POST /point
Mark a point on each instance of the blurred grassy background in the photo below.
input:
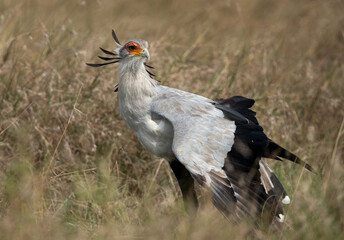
(71, 169)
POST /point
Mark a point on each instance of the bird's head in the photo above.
(136, 49)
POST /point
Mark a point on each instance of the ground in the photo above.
(71, 169)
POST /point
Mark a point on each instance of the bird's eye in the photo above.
(132, 47)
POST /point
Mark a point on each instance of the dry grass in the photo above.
(71, 169)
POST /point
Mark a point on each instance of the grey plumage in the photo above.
(217, 143)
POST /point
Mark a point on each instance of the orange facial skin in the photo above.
(134, 49)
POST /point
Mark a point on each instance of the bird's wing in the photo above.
(221, 147)
(202, 136)
(202, 139)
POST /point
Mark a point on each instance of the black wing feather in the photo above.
(243, 160)
(237, 109)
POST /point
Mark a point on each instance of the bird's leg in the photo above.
(186, 184)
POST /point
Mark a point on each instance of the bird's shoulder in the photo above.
(178, 103)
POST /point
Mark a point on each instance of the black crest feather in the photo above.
(108, 52)
(116, 58)
(115, 37)
(100, 64)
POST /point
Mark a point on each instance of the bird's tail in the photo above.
(273, 190)
(274, 151)
(257, 194)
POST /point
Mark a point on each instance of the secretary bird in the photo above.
(217, 143)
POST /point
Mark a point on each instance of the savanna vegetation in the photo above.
(71, 169)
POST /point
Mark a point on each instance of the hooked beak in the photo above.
(145, 53)
(140, 52)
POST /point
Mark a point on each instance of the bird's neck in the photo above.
(136, 90)
(135, 82)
